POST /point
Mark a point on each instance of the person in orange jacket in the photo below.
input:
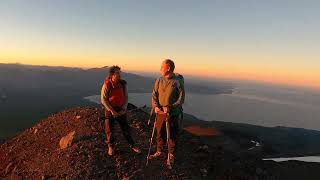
(114, 98)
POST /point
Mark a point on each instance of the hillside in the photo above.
(35, 153)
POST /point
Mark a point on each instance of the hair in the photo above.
(113, 69)
(170, 63)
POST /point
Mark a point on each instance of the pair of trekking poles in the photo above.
(153, 130)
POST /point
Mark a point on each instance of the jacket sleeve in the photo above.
(181, 96)
(155, 95)
(105, 97)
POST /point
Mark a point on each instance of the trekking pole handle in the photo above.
(151, 113)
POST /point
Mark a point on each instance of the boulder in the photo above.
(68, 140)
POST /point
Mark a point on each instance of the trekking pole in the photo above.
(168, 137)
(151, 113)
(154, 127)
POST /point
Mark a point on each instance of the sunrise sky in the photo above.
(271, 41)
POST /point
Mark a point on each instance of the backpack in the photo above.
(180, 78)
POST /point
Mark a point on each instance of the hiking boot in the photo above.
(110, 150)
(155, 155)
(170, 160)
(136, 149)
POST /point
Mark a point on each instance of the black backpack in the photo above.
(180, 78)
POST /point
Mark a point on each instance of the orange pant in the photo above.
(161, 132)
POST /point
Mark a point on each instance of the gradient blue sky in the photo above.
(272, 41)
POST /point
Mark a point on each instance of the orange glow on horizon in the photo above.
(266, 75)
(306, 79)
(269, 74)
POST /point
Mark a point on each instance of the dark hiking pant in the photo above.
(162, 133)
(109, 128)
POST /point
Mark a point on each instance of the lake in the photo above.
(252, 104)
(305, 159)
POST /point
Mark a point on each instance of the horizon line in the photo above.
(154, 74)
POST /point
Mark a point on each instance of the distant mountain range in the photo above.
(88, 81)
(29, 93)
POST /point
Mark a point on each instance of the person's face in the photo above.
(164, 70)
(116, 76)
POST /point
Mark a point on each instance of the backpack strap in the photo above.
(108, 84)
